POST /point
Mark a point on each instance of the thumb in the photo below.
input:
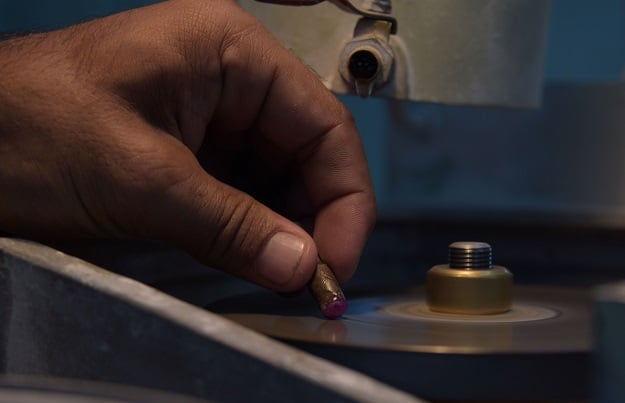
(228, 230)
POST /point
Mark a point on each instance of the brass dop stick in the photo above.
(327, 292)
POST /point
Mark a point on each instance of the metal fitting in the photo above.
(367, 59)
(469, 283)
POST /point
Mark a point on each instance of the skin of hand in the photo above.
(184, 122)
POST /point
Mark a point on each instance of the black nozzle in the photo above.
(363, 65)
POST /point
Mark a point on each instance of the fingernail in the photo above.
(281, 256)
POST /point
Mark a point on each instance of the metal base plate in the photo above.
(538, 350)
(542, 320)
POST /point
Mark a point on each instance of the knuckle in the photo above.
(235, 239)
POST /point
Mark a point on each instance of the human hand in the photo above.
(188, 123)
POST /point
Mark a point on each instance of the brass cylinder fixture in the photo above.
(469, 283)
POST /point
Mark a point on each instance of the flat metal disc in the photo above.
(542, 320)
(540, 350)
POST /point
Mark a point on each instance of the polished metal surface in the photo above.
(544, 341)
(542, 320)
(471, 292)
(477, 52)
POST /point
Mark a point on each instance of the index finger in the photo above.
(302, 117)
(266, 87)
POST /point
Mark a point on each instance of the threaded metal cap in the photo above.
(470, 255)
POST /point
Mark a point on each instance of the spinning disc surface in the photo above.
(542, 320)
(539, 350)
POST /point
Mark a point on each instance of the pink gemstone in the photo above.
(335, 309)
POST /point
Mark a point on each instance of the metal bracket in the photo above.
(372, 9)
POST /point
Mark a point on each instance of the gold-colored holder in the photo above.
(469, 284)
